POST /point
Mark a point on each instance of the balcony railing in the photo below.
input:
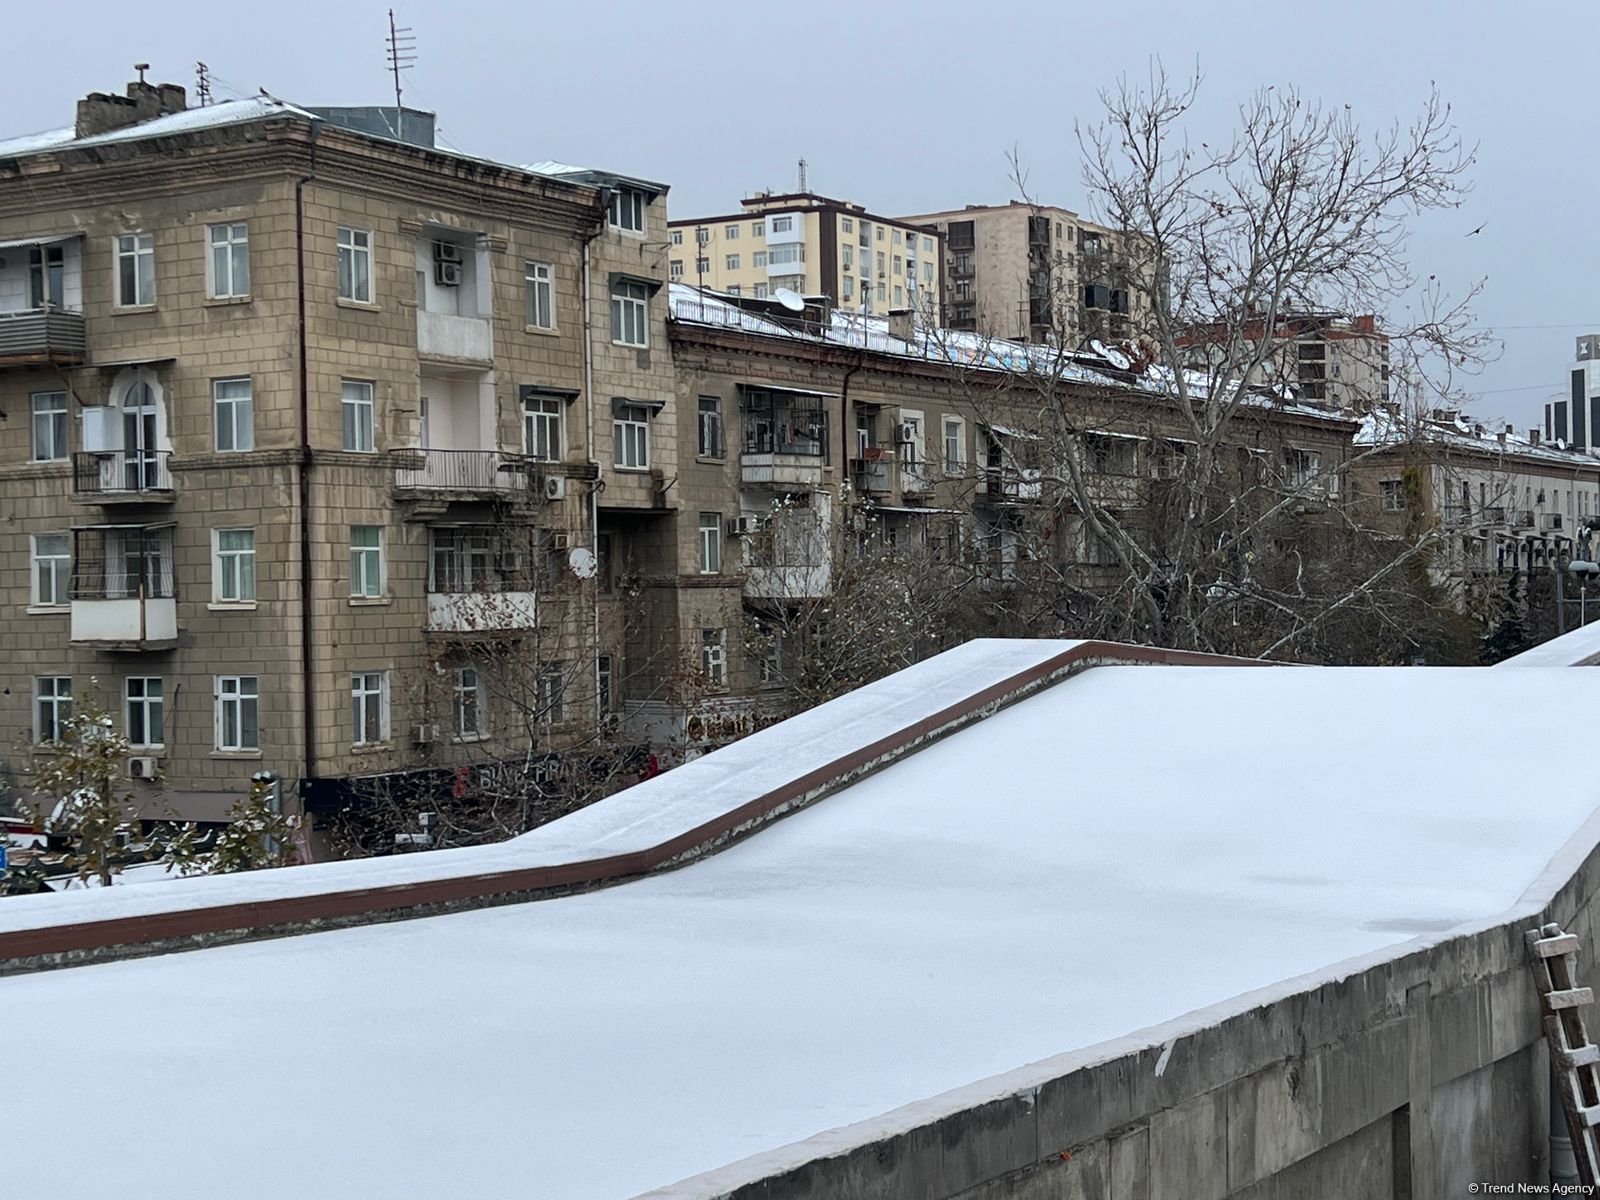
(1457, 514)
(460, 470)
(1016, 484)
(122, 474)
(42, 335)
(1520, 518)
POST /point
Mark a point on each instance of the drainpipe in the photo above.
(307, 679)
(588, 410)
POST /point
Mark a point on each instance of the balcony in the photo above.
(1457, 514)
(454, 338)
(123, 594)
(1012, 485)
(466, 472)
(872, 476)
(122, 477)
(785, 439)
(481, 612)
(42, 336)
(1550, 520)
(1520, 518)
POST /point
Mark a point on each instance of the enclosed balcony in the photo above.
(122, 476)
(41, 302)
(785, 437)
(123, 594)
(453, 297)
(480, 581)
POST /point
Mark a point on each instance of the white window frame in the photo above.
(758, 229)
(730, 262)
(228, 261)
(52, 694)
(152, 708)
(550, 693)
(630, 314)
(237, 561)
(955, 428)
(710, 543)
(1392, 495)
(59, 571)
(58, 427)
(548, 412)
(359, 413)
(630, 438)
(731, 232)
(539, 285)
(710, 434)
(714, 656)
(139, 249)
(236, 693)
(605, 696)
(239, 418)
(366, 564)
(466, 688)
(758, 259)
(369, 690)
(677, 237)
(627, 211)
(783, 224)
(353, 246)
(675, 269)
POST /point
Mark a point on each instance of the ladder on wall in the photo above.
(1574, 1059)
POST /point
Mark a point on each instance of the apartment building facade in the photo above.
(813, 246)
(1036, 273)
(316, 436)
(1573, 417)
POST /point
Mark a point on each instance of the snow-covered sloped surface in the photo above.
(1580, 648)
(640, 817)
(961, 914)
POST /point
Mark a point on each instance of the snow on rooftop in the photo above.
(960, 914)
(226, 112)
(1382, 428)
(1580, 648)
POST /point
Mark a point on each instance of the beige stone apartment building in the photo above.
(1031, 272)
(323, 449)
(813, 246)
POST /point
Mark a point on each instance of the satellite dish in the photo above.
(1115, 357)
(793, 301)
(582, 562)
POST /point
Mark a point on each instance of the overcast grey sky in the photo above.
(910, 107)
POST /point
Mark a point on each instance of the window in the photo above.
(630, 313)
(730, 262)
(702, 265)
(52, 707)
(897, 237)
(49, 426)
(356, 402)
(234, 408)
(369, 707)
(355, 265)
(47, 275)
(849, 257)
(734, 289)
(1393, 494)
(467, 709)
(52, 569)
(881, 261)
(731, 232)
(238, 713)
(758, 229)
(366, 560)
(143, 703)
(541, 427)
(927, 272)
(540, 281)
(136, 270)
(627, 210)
(849, 287)
(759, 258)
(927, 245)
(677, 237)
(952, 445)
(228, 268)
(883, 292)
(899, 296)
(795, 252)
(630, 432)
(714, 656)
(675, 268)
(1301, 467)
(711, 427)
(702, 237)
(879, 232)
(760, 291)
(846, 225)
(782, 224)
(602, 682)
(1108, 455)
(234, 574)
(550, 694)
(710, 543)
(899, 265)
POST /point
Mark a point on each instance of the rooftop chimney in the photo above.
(901, 325)
(101, 112)
(1533, 437)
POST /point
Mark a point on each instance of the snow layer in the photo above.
(641, 817)
(1580, 648)
(228, 112)
(960, 914)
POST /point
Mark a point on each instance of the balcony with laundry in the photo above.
(785, 432)
(41, 301)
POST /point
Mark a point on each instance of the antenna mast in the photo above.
(202, 83)
(803, 187)
(402, 54)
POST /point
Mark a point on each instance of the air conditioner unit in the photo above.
(559, 539)
(446, 252)
(905, 433)
(141, 768)
(424, 735)
(447, 274)
(555, 487)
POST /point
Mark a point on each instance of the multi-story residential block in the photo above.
(1573, 417)
(316, 436)
(1324, 357)
(813, 246)
(1030, 272)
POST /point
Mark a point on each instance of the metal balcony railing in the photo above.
(121, 472)
(458, 470)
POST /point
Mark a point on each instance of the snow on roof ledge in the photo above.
(1580, 648)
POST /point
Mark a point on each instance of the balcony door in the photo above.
(139, 458)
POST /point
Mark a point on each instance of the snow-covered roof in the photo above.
(1095, 365)
(192, 120)
(1384, 427)
(592, 176)
(953, 918)
(1580, 648)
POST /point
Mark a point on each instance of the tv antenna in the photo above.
(803, 175)
(402, 54)
(202, 83)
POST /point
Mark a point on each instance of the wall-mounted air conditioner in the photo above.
(555, 487)
(142, 768)
(447, 274)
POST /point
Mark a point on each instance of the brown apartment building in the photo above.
(322, 446)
